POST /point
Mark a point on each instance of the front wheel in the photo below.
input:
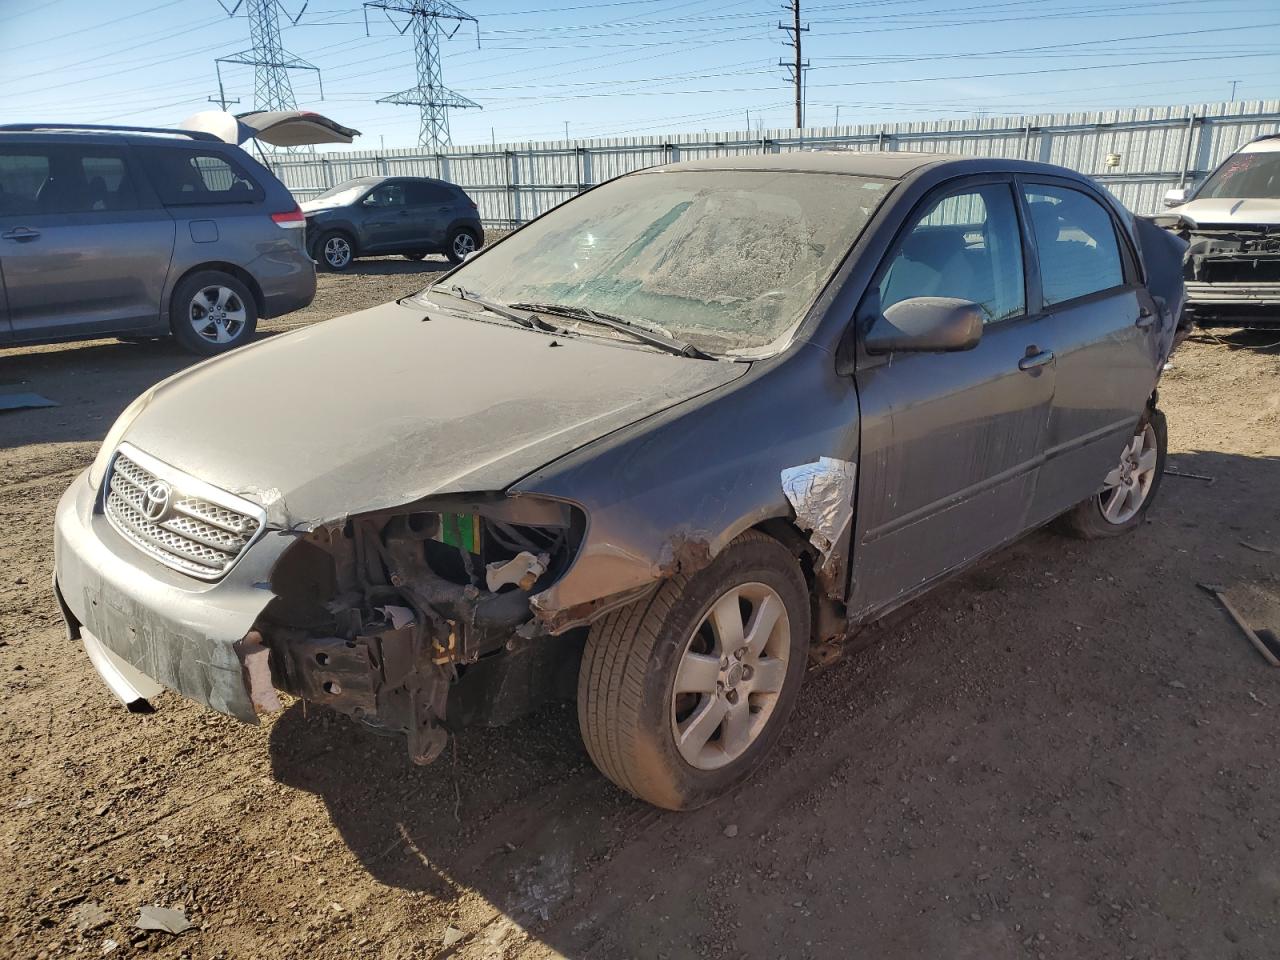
(334, 251)
(1129, 488)
(461, 242)
(212, 312)
(681, 695)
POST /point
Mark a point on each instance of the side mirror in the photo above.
(926, 325)
(1174, 198)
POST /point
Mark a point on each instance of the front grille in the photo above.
(180, 521)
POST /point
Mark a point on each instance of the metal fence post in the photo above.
(1186, 153)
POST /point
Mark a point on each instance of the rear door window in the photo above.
(184, 177)
(1076, 239)
(66, 179)
(965, 245)
(428, 194)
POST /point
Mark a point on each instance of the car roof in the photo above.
(890, 164)
(1267, 144)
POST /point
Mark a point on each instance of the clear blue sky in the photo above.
(648, 66)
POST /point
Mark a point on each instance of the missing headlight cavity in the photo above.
(380, 616)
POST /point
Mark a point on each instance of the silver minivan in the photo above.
(133, 232)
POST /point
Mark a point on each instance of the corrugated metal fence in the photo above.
(1138, 153)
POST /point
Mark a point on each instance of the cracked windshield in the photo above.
(727, 261)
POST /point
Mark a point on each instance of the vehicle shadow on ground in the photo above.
(1259, 341)
(393, 266)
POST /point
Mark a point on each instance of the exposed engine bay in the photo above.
(402, 619)
(1231, 271)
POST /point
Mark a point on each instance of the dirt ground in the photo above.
(1069, 752)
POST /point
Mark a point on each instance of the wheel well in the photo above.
(241, 274)
(351, 239)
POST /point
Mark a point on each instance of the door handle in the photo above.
(1033, 361)
(21, 234)
(1146, 318)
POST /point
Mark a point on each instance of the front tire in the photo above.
(212, 312)
(682, 694)
(1129, 488)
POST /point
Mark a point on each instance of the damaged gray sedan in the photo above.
(644, 452)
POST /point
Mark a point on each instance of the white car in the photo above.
(1232, 222)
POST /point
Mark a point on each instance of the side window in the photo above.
(1076, 238)
(966, 245)
(23, 172)
(428, 194)
(65, 179)
(185, 177)
(387, 195)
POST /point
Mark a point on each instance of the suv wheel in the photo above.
(212, 312)
(334, 251)
(461, 242)
(681, 695)
(1129, 489)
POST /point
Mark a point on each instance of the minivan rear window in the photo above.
(185, 177)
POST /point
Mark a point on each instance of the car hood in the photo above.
(383, 407)
(316, 206)
(1231, 211)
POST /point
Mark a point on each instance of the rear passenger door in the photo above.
(1104, 338)
(431, 208)
(84, 244)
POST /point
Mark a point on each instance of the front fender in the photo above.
(668, 493)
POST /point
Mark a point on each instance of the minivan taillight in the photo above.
(291, 220)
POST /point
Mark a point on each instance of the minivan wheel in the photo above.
(334, 251)
(461, 242)
(681, 695)
(212, 312)
(1129, 488)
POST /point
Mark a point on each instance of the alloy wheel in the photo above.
(1126, 487)
(730, 676)
(463, 244)
(337, 252)
(217, 314)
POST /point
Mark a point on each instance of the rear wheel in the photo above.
(413, 256)
(334, 251)
(1130, 487)
(212, 312)
(461, 242)
(681, 695)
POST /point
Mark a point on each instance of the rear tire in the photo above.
(212, 312)
(1129, 489)
(334, 251)
(413, 256)
(735, 634)
(462, 241)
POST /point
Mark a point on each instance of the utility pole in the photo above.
(221, 99)
(1233, 90)
(566, 131)
(432, 98)
(271, 64)
(798, 65)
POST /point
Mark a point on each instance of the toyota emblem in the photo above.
(155, 500)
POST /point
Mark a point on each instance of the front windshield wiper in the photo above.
(640, 332)
(493, 306)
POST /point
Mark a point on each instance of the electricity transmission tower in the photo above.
(271, 63)
(798, 64)
(432, 98)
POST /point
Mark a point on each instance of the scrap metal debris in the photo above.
(1170, 472)
(822, 495)
(24, 401)
(152, 917)
(1258, 642)
(397, 616)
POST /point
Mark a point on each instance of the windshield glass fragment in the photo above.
(726, 260)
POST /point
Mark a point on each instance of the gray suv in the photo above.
(113, 231)
(412, 216)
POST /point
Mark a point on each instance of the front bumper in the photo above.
(145, 626)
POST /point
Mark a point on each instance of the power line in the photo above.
(272, 88)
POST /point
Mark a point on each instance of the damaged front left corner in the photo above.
(821, 493)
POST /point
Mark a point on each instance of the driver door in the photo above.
(384, 216)
(951, 442)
